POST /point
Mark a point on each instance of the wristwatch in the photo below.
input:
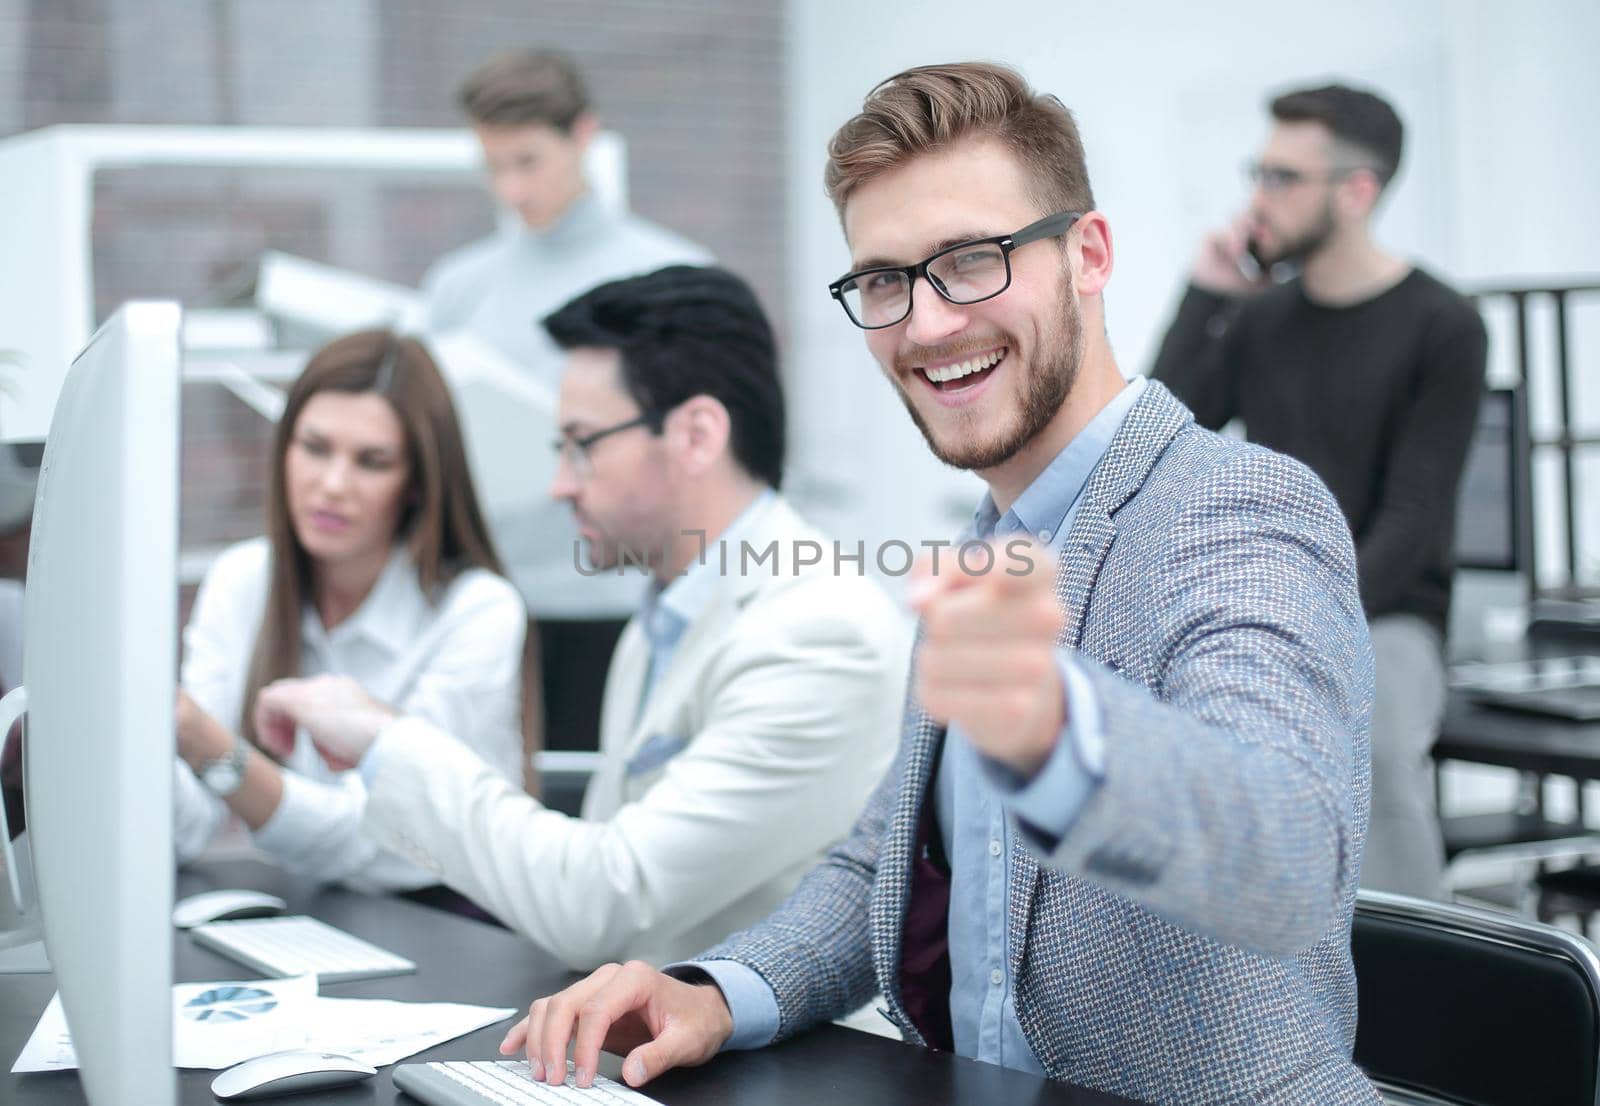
(225, 774)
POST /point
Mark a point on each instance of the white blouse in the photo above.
(456, 663)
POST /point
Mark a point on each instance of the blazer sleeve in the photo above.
(793, 729)
(1234, 800)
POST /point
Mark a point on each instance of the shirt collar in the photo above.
(387, 617)
(669, 611)
(1044, 504)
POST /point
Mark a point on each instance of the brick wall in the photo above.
(694, 85)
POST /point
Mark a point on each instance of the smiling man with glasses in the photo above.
(1370, 371)
(1119, 846)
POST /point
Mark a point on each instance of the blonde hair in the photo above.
(931, 107)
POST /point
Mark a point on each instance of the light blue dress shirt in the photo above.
(973, 795)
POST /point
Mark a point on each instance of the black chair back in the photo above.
(1464, 1006)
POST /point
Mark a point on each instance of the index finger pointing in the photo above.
(957, 568)
(1019, 565)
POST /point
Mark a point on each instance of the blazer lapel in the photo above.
(891, 889)
(701, 637)
(688, 660)
(624, 684)
(1144, 435)
(619, 704)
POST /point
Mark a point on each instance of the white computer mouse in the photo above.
(215, 906)
(299, 1069)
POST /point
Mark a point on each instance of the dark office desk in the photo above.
(1528, 742)
(1542, 745)
(464, 961)
(1515, 739)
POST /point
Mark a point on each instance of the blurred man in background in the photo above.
(530, 110)
(532, 114)
(1370, 371)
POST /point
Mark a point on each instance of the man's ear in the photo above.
(698, 432)
(1359, 193)
(1090, 253)
(583, 130)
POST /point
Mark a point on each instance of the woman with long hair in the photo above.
(376, 564)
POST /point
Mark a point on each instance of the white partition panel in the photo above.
(46, 283)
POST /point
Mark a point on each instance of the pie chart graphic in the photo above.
(229, 1004)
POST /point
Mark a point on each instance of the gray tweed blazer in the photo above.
(1188, 941)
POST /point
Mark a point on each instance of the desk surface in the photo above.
(1514, 739)
(1528, 742)
(464, 961)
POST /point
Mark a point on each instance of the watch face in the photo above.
(222, 778)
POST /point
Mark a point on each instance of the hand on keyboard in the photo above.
(657, 1022)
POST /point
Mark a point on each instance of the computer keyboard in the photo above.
(297, 945)
(506, 1083)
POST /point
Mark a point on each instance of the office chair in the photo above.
(574, 657)
(1469, 1008)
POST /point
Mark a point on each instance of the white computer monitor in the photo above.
(99, 678)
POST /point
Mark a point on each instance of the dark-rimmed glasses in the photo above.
(575, 450)
(970, 272)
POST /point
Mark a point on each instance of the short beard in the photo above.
(1300, 250)
(1044, 393)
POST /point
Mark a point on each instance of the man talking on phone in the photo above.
(1370, 371)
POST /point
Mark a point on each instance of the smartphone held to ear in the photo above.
(1249, 262)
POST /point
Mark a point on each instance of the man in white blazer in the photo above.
(750, 706)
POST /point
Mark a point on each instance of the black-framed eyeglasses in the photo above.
(575, 450)
(966, 273)
(1281, 178)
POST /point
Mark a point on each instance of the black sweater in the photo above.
(1378, 398)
